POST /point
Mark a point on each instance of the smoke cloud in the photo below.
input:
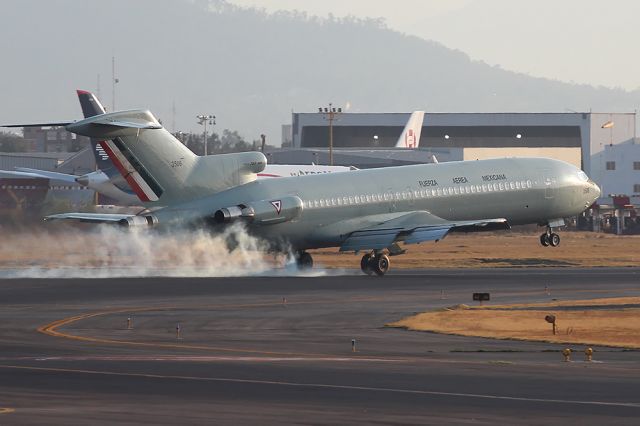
(108, 251)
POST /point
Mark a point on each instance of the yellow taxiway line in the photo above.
(52, 329)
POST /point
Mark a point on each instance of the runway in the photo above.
(278, 349)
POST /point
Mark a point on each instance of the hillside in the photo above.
(249, 68)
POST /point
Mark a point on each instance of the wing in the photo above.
(415, 227)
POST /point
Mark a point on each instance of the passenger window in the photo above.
(512, 185)
(528, 184)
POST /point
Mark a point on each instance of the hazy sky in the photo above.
(582, 41)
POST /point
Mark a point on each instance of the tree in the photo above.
(10, 142)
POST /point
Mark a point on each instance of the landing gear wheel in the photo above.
(365, 264)
(544, 240)
(381, 264)
(304, 261)
(554, 239)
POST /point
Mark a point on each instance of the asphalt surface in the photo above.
(278, 350)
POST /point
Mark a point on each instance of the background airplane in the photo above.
(369, 211)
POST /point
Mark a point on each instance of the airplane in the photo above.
(370, 211)
(410, 136)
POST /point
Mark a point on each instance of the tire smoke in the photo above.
(108, 251)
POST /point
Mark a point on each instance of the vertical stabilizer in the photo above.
(410, 136)
(91, 107)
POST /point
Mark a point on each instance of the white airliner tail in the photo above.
(410, 136)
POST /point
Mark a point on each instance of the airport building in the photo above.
(604, 145)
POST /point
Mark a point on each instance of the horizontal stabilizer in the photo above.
(112, 218)
(49, 175)
(56, 124)
(129, 124)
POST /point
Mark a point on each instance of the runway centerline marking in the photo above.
(330, 386)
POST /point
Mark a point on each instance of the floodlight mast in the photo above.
(203, 119)
(330, 114)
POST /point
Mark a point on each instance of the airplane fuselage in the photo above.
(521, 190)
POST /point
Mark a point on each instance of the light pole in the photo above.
(330, 114)
(203, 119)
(114, 81)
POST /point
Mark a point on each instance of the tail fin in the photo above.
(160, 168)
(91, 107)
(90, 104)
(410, 136)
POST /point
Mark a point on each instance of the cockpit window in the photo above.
(583, 176)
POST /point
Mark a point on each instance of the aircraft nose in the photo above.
(596, 190)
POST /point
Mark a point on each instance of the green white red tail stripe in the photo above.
(141, 188)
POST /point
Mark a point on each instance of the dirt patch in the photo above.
(603, 322)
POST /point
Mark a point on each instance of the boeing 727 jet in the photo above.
(369, 211)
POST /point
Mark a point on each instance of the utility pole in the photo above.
(114, 80)
(330, 114)
(203, 119)
(173, 116)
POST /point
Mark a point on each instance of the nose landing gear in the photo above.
(375, 263)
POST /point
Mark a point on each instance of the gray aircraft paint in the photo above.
(556, 191)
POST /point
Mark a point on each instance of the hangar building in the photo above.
(604, 145)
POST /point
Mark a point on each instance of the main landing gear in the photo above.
(375, 263)
(550, 238)
(304, 261)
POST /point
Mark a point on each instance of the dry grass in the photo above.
(505, 249)
(616, 325)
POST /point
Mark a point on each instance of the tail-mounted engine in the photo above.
(137, 221)
(264, 212)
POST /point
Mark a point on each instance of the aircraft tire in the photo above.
(366, 264)
(304, 261)
(554, 240)
(381, 264)
(544, 240)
